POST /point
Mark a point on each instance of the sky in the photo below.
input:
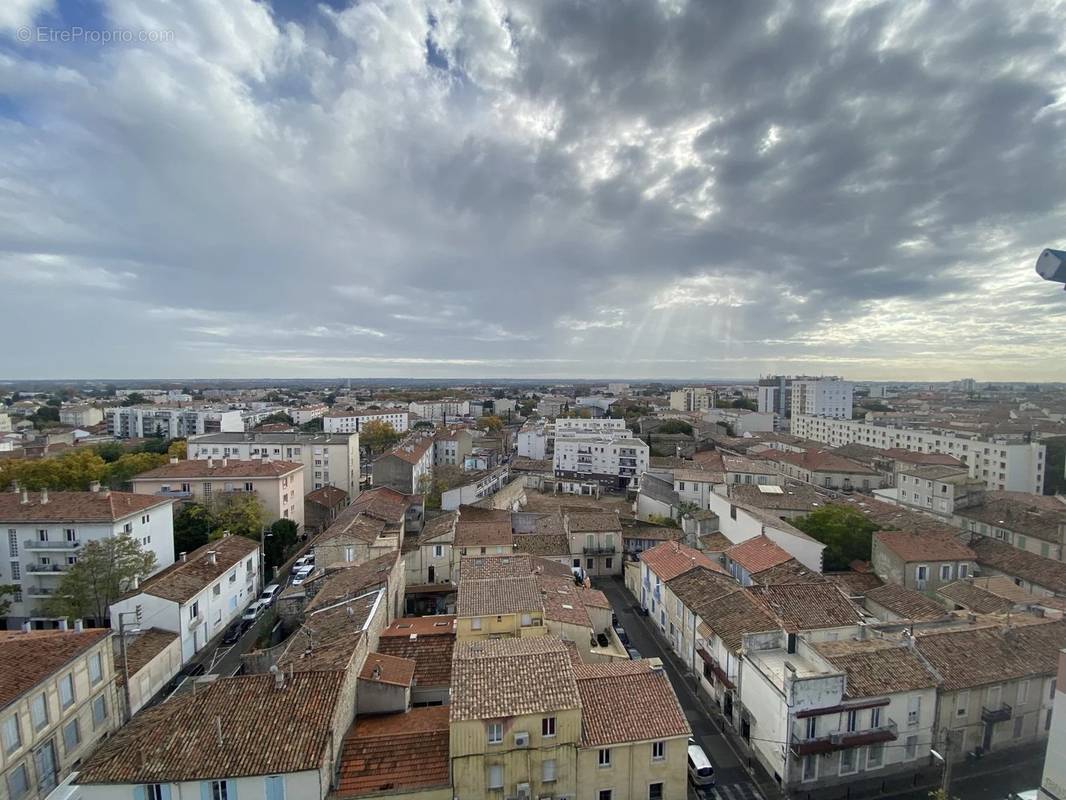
(552, 188)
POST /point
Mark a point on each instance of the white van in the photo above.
(700, 770)
(269, 594)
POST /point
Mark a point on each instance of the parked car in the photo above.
(270, 594)
(303, 561)
(302, 575)
(623, 637)
(700, 769)
(634, 654)
(251, 614)
(232, 634)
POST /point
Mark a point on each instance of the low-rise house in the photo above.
(595, 541)
(638, 538)
(997, 683)
(151, 659)
(1028, 522)
(547, 540)
(277, 485)
(893, 603)
(498, 597)
(429, 642)
(57, 703)
(321, 507)
(741, 521)
(197, 744)
(789, 500)
(430, 561)
(825, 469)
(662, 563)
(476, 487)
(819, 610)
(656, 498)
(965, 596)
(1041, 576)
(199, 595)
(693, 486)
(742, 470)
(451, 447)
(480, 535)
(408, 466)
(923, 561)
(370, 526)
(749, 559)
(938, 489)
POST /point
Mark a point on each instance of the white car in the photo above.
(270, 594)
(301, 575)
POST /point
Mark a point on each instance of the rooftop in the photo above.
(542, 544)
(875, 667)
(382, 668)
(757, 554)
(219, 468)
(330, 635)
(285, 437)
(183, 580)
(650, 710)
(592, 522)
(482, 534)
(936, 472)
(395, 753)
(230, 728)
(910, 546)
(808, 606)
(973, 598)
(327, 497)
(366, 412)
(790, 497)
(736, 614)
(27, 658)
(669, 559)
(428, 641)
(141, 649)
(102, 506)
(1017, 563)
(349, 580)
(905, 603)
(1021, 513)
(489, 597)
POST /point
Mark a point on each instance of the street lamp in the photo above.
(125, 662)
(263, 536)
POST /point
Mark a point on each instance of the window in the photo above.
(921, 572)
(962, 703)
(852, 720)
(39, 711)
(875, 718)
(655, 791)
(438, 550)
(99, 711)
(495, 732)
(547, 727)
(548, 770)
(495, 780)
(605, 794)
(945, 572)
(608, 563)
(964, 571)
(66, 691)
(658, 751)
(70, 534)
(233, 576)
(812, 727)
(1019, 724)
(349, 554)
(12, 734)
(216, 590)
(527, 620)
(220, 791)
(810, 768)
(847, 761)
(604, 757)
(71, 736)
(18, 782)
(12, 542)
(1023, 692)
(475, 624)
(16, 571)
(914, 711)
(875, 755)
(910, 749)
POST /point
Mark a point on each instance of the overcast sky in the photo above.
(575, 189)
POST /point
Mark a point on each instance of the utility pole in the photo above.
(125, 664)
(945, 781)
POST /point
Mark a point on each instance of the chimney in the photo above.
(279, 677)
(210, 463)
(79, 626)
(26, 626)
(63, 624)
(44, 496)
(212, 557)
(183, 557)
(225, 461)
(15, 486)
(25, 497)
(136, 584)
(173, 459)
(94, 486)
(375, 674)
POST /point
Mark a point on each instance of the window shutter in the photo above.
(165, 788)
(205, 790)
(275, 787)
(139, 793)
(231, 790)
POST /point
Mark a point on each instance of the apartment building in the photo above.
(197, 596)
(692, 398)
(277, 485)
(80, 416)
(135, 422)
(607, 426)
(826, 397)
(553, 405)
(825, 469)
(46, 530)
(55, 707)
(535, 440)
(478, 486)
(304, 414)
(1011, 465)
(921, 560)
(451, 447)
(440, 409)
(350, 420)
(329, 459)
(407, 466)
(739, 421)
(938, 489)
(608, 461)
(595, 541)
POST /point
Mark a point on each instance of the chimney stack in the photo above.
(94, 486)
(26, 626)
(44, 496)
(183, 557)
(25, 497)
(225, 461)
(210, 463)
(279, 677)
(63, 624)
(212, 557)
(79, 626)
(173, 459)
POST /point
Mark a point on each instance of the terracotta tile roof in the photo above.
(876, 667)
(905, 603)
(183, 580)
(395, 753)
(650, 710)
(709, 460)
(492, 567)
(482, 534)
(478, 514)
(854, 584)
(1017, 563)
(495, 596)
(430, 647)
(993, 654)
(546, 566)
(1006, 588)
(1026, 514)
(757, 554)
(327, 497)
(670, 559)
(808, 606)
(790, 571)
(549, 523)
(910, 546)
(699, 588)
(102, 506)
(219, 468)
(699, 475)
(593, 522)
(742, 464)
(383, 503)
(793, 497)
(735, 614)
(354, 526)
(443, 525)
(973, 598)
(27, 658)
(935, 472)
(715, 542)
(819, 461)
(542, 544)
(652, 533)
(141, 649)
(329, 636)
(350, 580)
(565, 601)
(382, 668)
(913, 457)
(889, 516)
(494, 678)
(264, 731)
(410, 449)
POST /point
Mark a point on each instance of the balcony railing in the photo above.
(196, 621)
(37, 544)
(39, 591)
(841, 740)
(174, 493)
(1000, 713)
(599, 550)
(47, 569)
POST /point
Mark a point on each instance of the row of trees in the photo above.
(110, 464)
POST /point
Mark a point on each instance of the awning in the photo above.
(715, 667)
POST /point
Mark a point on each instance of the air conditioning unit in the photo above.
(521, 739)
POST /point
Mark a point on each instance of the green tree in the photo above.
(423, 424)
(110, 451)
(378, 435)
(130, 464)
(846, 533)
(45, 414)
(490, 423)
(273, 419)
(6, 591)
(278, 545)
(314, 426)
(240, 513)
(743, 402)
(193, 524)
(178, 448)
(72, 471)
(134, 399)
(106, 569)
(675, 426)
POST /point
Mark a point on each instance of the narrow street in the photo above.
(734, 780)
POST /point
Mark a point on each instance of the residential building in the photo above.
(938, 490)
(349, 420)
(824, 469)
(440, 410)
(476, 487)
(149, 661)
(1025, 521)
(304, 414)
(1053, 780)
(662, 563)
(1012, 465)
(1032, 573)
(452, 446)
(277, 485)
(788, 501)
(329, 459)
(370, 526)
(57, 703)
(997, 683)
(893, 602)
(197, 743)
(825, 397)
(739, 421)
(747, 560)
(535, 440)
(595, 541)
(923, 560)
(607, 426)
(552, 405)
(430, 560)
(693, 398)
(322, 506)
(46, 530)
(694, 486)
(197, 596)
(609, 461)
(135, 422)
(80, 416)
(618, 389)
(5, 422)
(407, 466)
(429, 642)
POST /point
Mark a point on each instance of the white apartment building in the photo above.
(80, 416)
(5, 422)
(46, 530)
(198, 595)
(484, 484)
(329, 459)
(692, 399)
(277, 485)
(341, 421)
(937, 489)
(136, 422)
(829, 397)
(440, 409)
(612, 460)
(1015, 466)
(305, 414)
(552, 405)
(535, 440)
(741, 420)
(605, 426)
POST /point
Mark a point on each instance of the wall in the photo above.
(154, 675)
(969, 729)
(297, 785)
(632, 770)
(375, 697)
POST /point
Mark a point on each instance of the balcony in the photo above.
(841, 740)
(196, 621)
(39, 591)
(36, 544)
(1000, 713)
(599, 550)
(47, 569)
(177, 493)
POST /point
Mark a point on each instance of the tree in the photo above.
(45, 414)
(846, 533)
(278, 417)
(378, 435)
(423, 424)
(110, 451)
(134, 399)
(72, 471)
(314, 426)
(282, 538)
(6, 590)
(743, 402)
(675, 426)
(130, 464)
(106, 568)
(178, 448)
(239, 513)
(490, 423)
(192, 527)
